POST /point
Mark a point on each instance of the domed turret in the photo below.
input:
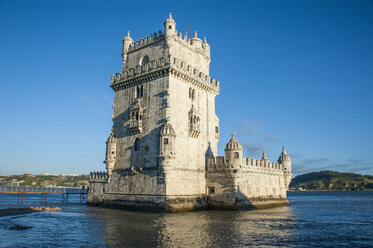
(233, 143)
(206, 48)
(127, 41)
(285, 161)
(111, 145)
(167, 130)
(196, 42)
(264, 157)
(167, 141)
(233, 151)
(170, 26)
(283, 157)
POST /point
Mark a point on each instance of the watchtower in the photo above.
(164, 119)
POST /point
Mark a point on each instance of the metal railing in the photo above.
(42, 190)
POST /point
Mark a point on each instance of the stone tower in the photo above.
(164, 121)
(162, 151)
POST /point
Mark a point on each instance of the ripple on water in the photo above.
(324, 219)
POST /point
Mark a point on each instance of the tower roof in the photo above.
(111, 138)
(264, 157)
(284, 156)
(128, 37)
(167, 129)
(233, 143)
(170, 19)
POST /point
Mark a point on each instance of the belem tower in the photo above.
(162, 151)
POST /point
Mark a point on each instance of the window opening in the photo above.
(137, 144)
(236, 155)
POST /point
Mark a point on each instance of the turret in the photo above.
(170, 26)
(206, 48)
(264, 157)
(167, 141)
(127, 41)
(233, 152)
(196, 42)
(111, 146)
(285, 161)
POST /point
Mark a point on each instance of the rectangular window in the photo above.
(236, 155)
(165, 141)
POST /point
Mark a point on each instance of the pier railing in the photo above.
(42, 190)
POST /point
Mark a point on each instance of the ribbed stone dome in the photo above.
(284, 156)
(170, 19)
(167, 129)
(111, 138)
(233, 143)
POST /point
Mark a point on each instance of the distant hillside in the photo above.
(46, 180)
(332, 180)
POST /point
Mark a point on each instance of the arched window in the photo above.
(193, 94)
(137, 144)
(141, 91)
(144, 60)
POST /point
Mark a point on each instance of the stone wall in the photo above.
(255, 183)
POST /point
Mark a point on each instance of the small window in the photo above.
(211, 190)
(216, 130)
(137, 144)
(236, 155)
(165, 141)
(170, 27)
(103, 190)
(139, 91)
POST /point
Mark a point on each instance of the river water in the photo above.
(314, 219)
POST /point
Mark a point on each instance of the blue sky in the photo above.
(298, 73)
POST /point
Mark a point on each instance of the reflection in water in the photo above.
(198, 229)
(315, 219)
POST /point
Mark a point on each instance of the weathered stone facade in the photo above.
(162, 151)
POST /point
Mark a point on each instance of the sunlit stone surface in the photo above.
(162, 151)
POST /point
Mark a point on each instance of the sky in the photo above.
(293, 73)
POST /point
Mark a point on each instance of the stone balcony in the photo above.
(136, 126)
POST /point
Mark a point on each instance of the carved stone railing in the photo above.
(136, 126)
(98, 177)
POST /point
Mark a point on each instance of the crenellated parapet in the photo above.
(218, 164)
(186, 72)
(160, 67)
(98, 177)
(146, 41)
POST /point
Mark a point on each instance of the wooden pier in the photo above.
(44, 192)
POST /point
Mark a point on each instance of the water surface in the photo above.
(326, 219)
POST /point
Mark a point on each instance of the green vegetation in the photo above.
(332, 180)
(46, 180)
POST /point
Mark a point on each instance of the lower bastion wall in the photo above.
(252, 184)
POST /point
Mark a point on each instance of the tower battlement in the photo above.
(162, 67)
(247, 165)
(98, 177)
